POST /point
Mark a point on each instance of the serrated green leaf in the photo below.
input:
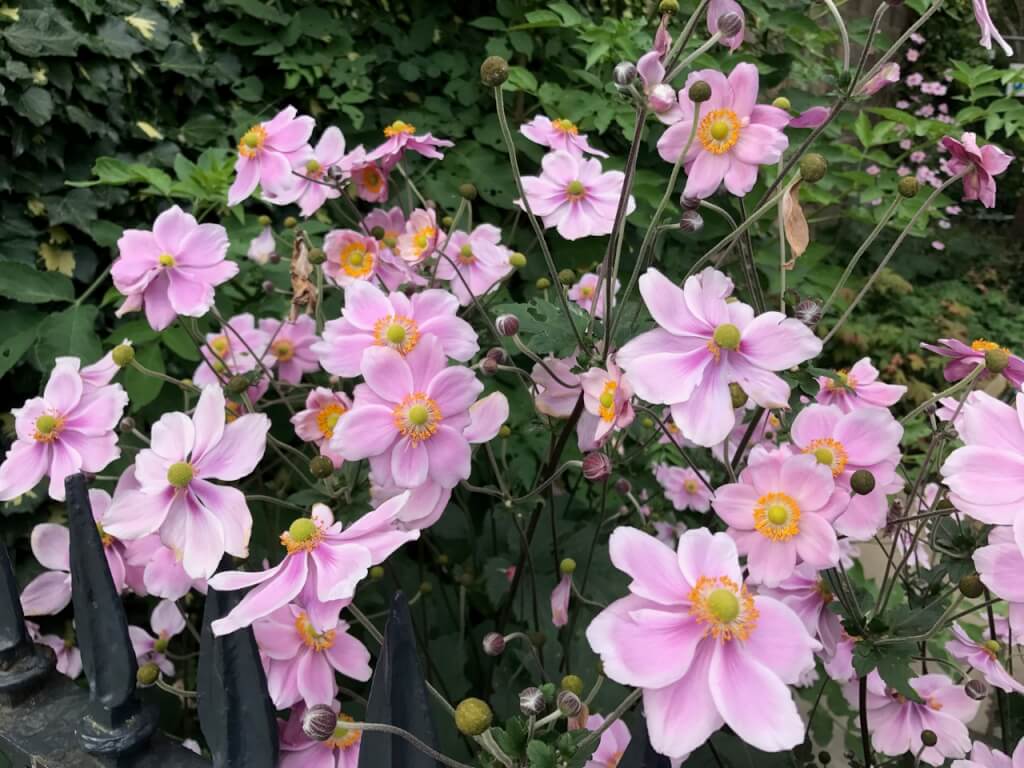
(68, 333)
(540, 755)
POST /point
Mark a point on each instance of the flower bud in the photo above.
(808, 312)
(377, 572)
(691, 221)
(237, 385)
(670, 7)
(264, 220)
(568, 703)
(700, 91)
(488, 366)
(147, 674)
(813, 167)
(467, 191)
(622, 486)
(378, 233)
(447, 222)
(319, 722)
(321, 467)
(268, 287)
(473, 717)
(494, 71)
(928, 738)
(499, 355)
(317, 256)
(127, 424)
(572, 683)
(543, 283)
(908, 186)
(996, 360)
(122, 355)
(596, 466)
(730, 24)
(290, 222)
(647, 423)
(507, 325)
(426, 587)
(782, 103)
(976, 689)
(494, 643)
(567, 566)
(824, 757)
(624, 73)
(517, 260)
(662, 98)
(505, 431)
(566, 277)
(862, 482)
(274, 258)
(970, 585)
(531, 702)
(738, 396)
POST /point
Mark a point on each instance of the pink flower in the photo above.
(69, 429)
(575, 196)
(560, 596)
(983, 756)
(69, 658)
(263, 246)
(299, 751)
(780, 513)
(153, 567)
(556, 394)
(896, 722)
(980, 164)
(1001, 567)
(914, 80)
(291, 346)
(806, 593)
(401, 137)
(719, 8)
(913, 54)
(662, 98)
(372, 319)
(588, 290)
(351, 256)
(607, 404)
(371, 181)
(316, 423)
(734, 136)
(558, 134)
(166, 621)
(703, 649)
(303, 644)
(989, 31)
(864, 439)
(886, 76)
(308, 188)
(704, 343)
(409, 414)
(810, 118)
(265, 152)
(236, 349)
(984, 657)
(419, 240)
(684, 487)
(858, 387)
(319, 552)
(478, 259)
(196, 517)
(612, 746)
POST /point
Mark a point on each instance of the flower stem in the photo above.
(394, 730)
(843, 34)
(865, 736)
(966, 381)
(617, 713)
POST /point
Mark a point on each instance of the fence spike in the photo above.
(23, 664)
(398, 696)
(116, 721)
(235, 711)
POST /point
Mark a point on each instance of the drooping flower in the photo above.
(351, 256)
(176, 497)
(703, 344)
(173, 269)
(989, 31)
(316, 423)
(1001, 567)
(478, 263)
(684, 487)
(560, 596)
(372, 319)
(983, 756)
(587, 293)
(575, 196)
(864, 439)
(858, 387)
(719, 8)
(807, 594)
(166, 621)
(984, 657)
(559, 134)
(308, 188)
(417, 243)
(662, 98)
(703, 649)
(408, 416)
(964, 359)
(265, 152)
(735, 134)
(320, 552)
(69, 658)
(263, 246)
(558, 388)
(607, 404)
(69, 429)
(341, 750)
(979, 164)
(612, 746)
(896, 722)
(780, 513)
(810, 118)
(885, 77)
(400, 137)
(290, 346)
(154, 568)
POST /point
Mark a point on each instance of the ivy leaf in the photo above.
(78, 207)
(35, 104)
(27, 284)
(71, 332)
(42, 33)
(19, 332)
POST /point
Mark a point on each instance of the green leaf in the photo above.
(180, 343)
(105, 233)
(20, 327)
(78, 208)
(489, 23)
(259, 10)
(42, 33)
(520, 79)
(31, 286)
(540, 755)
(544, 326)
(862, 128)
(143, 389)
(71, 332)
(36, 104)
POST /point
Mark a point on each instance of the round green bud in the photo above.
(908, 186)
(321, 467)
(377, 572)
(180, 474)
(123, 355)
(473, 717)
(147, 674)
(567, 566)
(739, 397)
(237, 385)
(447, 221)
(302, 529)
(467, 191)
(426, 587)
(700, 91)
(671, 7)
(517, 260)
(543, 283)
(572, 683)
(264, 220)
(566, 277)
(782, 103)
(813, 167)
(505, 431)
(996, 360)
(317, 256)
(648, 422)
(862, 482)
(290, 222)
(494, 71)
(442, 559)
(928, 738)
(970, 586)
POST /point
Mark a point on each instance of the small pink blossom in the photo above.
(807, 594)
(351, 256)
(401, 137)
(964, 359)
(1001, 567)
(684, 487)
(984, 657)
(607, 405)
(558, 134)
(811, 118)
(476, 263)
(166, 621)
(316, 423)
(153, 567)
(237, 348)
(69, 658)
(557, 387)
(263, 246)
(662, 98)
(560, 596)
(983, 756)
(309, 173)
(291, 346)
(979, 164)
(587, 294)
(613, 744)
(370, 180)
(341, 750)
(265, 152)
(913, 54)
(419, 240)
(858, 387)
(938, 245)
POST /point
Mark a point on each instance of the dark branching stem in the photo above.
(1004, 718)
(865, 736)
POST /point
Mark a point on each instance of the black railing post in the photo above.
(235, 712)
(23, 664)
(116, 722)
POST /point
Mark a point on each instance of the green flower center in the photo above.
(727, 336)
(302, 529)
(355, 258)
(396, 333)
(165, 260)
(992, 646)
(824, 456)
(161, 644)
(180, 474)
(466, 253)
(575, 189)
(312, 166)
(418, 415)
(777, 514)
(607, 399)
(46, 424)
(720, 130)
(724, 605)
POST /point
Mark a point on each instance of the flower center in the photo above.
(565, 126)
(991, 647)
(586, 291)
(372, 179)
(417, 417)
(719, 131)
(343, 737)
(302, 534)
(399, 127)
(220, 345)
(727, 336)
(690, 486)
(777, 516)
(313, 167)
(160, 646)
(398, 332)
(984, 345)
(466, 254)
(422, 240)
(829, 452)
(252, 141)
(607, 401)
(48, 428)
(846, 381)
(328, 417)
(283, 350)
(575, 190)
(180, 474)
(318, 641)
(724, 606)
(105, 537)
(934, 704)
(165, 260)
(355, 260)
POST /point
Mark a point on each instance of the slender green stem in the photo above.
(929, 12)
(865, 734)
(967, 381)
(274, 501)
(844, 36)
(162, 376)
(706, 46)
(617, 713)
(685, 35)
(94, 285)
(394, 730)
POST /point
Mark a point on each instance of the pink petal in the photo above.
(24, 466)
(450, 457)
(63, 389)
(172, 228)
(387, 373)
(682, 716)
(281, 584)
(339, 568)
(47, 594)
(208, 421)
(651, 565)
(51, 545)
(410, 462)
(486, 418)
(239, 450)
(701, 553)
(365, 431)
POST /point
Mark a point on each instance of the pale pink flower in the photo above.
(661, 96)
(478, 263)
(964, 359)
(166, 621)
(319, 552)
(426, 504)
(69, 429)
(196, 517)
(989, 31)
(263, 246)
(558, 134)
(704, 343)
(291, 346)
(308, 188)
(810, 118)
(607, 405)
(153, 567)
(983, 756)
(575, 196)
(982, 656)
(668, 533)
(719, 8)
(587, 294)
(858, 387)
(807, 594)
(69, 658)
(370, 180)
(341, 750)
(237, 348)
(372, 319)
(913, 54)
(980, 165)
(705, 651)
(560, 596)
(612, 746)
(351, 256)
(735, 134)
(417, 243)
(401, 136)
(839, 665)
(316, 423)
(265, 152)
(557, 387)
(1001, 567)
(684, 487)
(387, 226)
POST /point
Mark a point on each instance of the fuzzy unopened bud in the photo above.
(377, 572)
(319, 722)
(494, 644)
(970, 586)
(691, 221)
(531, 702)
(237, 385)
(567, 566)
(507, 325)
(929, 738)
(505, 431)
(862, 482)
(568, 703)
(572, 683)
(317, 256)
(623, 486)
(782, 103)
(473, 717)
(127, 424)
(265, 221)
(996, 360)
(494, 71)
(908, 187)
(147, 674)
(566, 277)
(488, 366)
(122, 355)
(320, 467)
(813, 167)
(290, 222)
(596, 466)
(543, 283)
(517, 260)
(671, 7)
(624, 73)
(268, 287)
(808, 312)
(467, 191)
(730, 24)
(976, 689)
(700, 91)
